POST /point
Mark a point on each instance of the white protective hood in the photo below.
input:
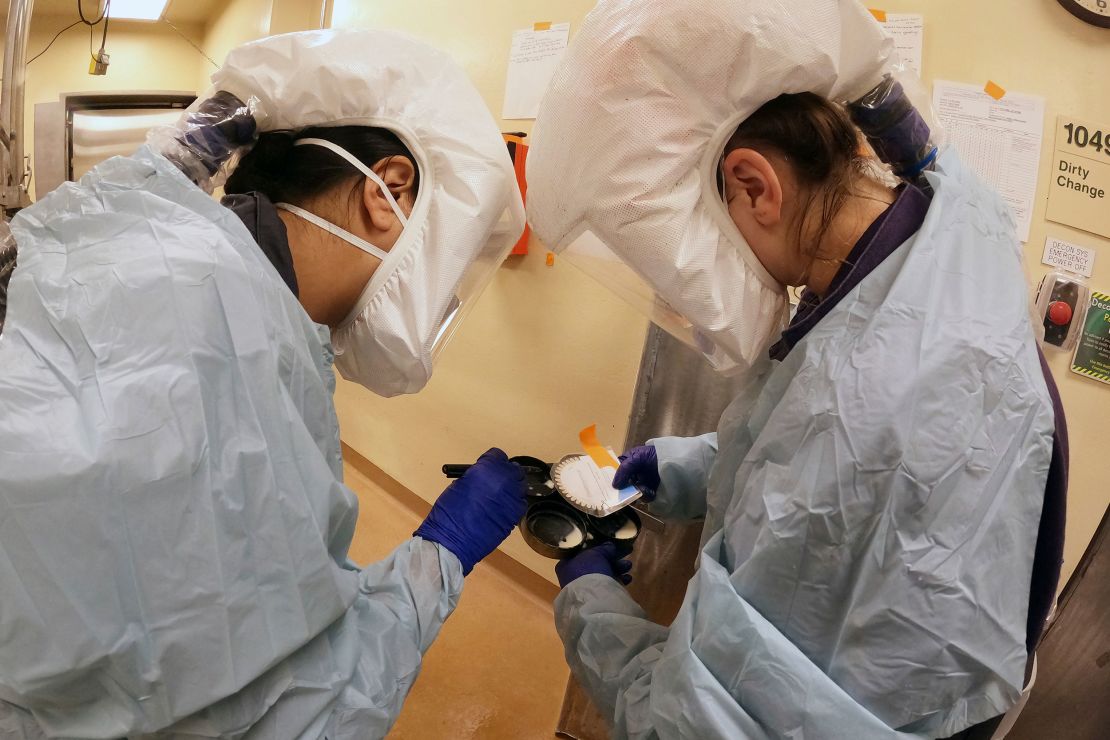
(626, 147)
(467, 215)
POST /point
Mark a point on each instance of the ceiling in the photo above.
(178, 11)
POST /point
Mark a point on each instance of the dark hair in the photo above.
(822, 146)
(295, 174)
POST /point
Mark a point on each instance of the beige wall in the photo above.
(295, 15)
(144, 56)
(546, 352)
(1036, 47)
(237, 22)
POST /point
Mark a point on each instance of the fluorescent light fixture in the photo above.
(137, 10)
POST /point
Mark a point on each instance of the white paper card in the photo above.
(999, 139)
(532, 61)
(908, 31)
(583, 482)
(1068, 256)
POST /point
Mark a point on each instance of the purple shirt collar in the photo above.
(890, 230)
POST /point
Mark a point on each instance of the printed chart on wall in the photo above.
(1092, 355)
(999, 138)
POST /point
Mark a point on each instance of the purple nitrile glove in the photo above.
(479, 510)
(639, 468)
(606, 559)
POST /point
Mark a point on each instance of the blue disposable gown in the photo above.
(173, 522)
(871, 508)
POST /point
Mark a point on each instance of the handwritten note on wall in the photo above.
(908, 31)
(532, 61)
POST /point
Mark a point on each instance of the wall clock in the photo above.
(1095, 12)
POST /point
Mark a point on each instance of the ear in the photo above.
(399, 176)
(753, 187)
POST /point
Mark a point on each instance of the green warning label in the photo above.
(1092, 355)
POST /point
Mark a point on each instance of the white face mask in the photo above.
(411, 305)
(358, 337)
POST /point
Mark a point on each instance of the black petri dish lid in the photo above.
(553, 529)
(537, 475)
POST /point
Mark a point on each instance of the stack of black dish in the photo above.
(555, 528)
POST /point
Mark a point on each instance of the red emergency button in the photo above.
(1059, 313)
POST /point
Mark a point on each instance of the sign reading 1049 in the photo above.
(1079, 194)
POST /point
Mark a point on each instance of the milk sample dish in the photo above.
(554, 525)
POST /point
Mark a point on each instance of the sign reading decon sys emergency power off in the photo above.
(1079, 194)
(1068, 256)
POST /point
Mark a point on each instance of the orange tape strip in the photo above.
(544, 26)
(994, 90)
(593, 448)
(880, 15)
(550, 259)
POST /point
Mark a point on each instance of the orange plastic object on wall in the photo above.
(518, 152)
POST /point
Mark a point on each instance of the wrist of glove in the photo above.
(219, 126)
(607, 559)
(206, 137)
(640, 468)
(479, 510)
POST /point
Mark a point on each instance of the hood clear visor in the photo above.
(477, 277)
(589, 253)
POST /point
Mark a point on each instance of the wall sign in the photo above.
(1092, 354)
(1079, 193)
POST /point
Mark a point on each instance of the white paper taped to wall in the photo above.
(1000, 139)
(532, 61)
(908, 31)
